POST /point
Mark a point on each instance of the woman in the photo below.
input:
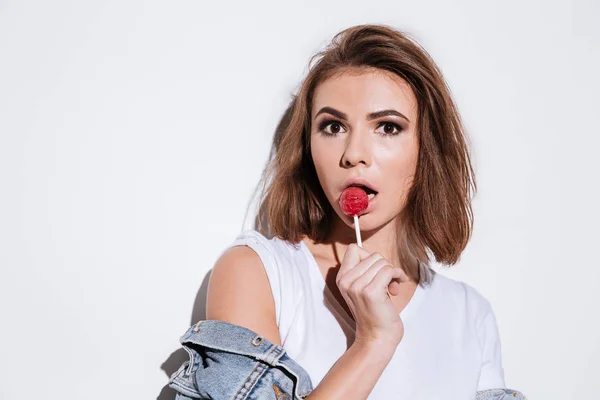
(371, 322)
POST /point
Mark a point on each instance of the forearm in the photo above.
(355, 373)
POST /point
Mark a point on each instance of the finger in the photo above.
(377, 289)
(353, 255)
(394, 287)
(363, 253)
(368, 269)
(384, 277)
(351, 258)
(361, 268)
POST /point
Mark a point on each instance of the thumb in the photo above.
(394, 288)
(398, 276)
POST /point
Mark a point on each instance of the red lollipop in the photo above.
(353, 201)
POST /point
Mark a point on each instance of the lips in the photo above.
(367, 187)
(364, 184)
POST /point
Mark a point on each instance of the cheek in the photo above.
(321, 158)
(400, 167)
(324, 156)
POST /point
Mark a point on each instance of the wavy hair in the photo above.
(437, 217)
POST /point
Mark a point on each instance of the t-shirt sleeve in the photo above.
(492, 372)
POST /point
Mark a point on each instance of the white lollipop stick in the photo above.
(357, 229)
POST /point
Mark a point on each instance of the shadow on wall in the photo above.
(172, 364)
(178, 357)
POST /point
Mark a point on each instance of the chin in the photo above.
(368, 222)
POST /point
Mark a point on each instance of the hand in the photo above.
(364, 280)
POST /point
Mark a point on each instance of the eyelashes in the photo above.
(397, 129)
(325, 123)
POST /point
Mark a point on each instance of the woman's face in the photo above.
(364, 132)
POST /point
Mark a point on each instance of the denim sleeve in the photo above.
(500, 394)
(231, 362)
(220, 375)
(179, 396)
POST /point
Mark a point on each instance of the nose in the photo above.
(357, 151)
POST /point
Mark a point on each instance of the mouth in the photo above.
(371, 193)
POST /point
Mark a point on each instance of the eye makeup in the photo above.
(323, 125)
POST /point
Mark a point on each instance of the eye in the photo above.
(390, 128)
(334, 127)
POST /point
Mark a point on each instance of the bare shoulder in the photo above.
(239, 293)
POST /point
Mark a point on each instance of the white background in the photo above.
(132, 135)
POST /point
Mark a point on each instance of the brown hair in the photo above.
(437, 216)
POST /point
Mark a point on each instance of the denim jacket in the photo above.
(231, 362)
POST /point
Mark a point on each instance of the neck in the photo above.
(387, 240)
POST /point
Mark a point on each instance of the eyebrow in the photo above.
(371, 116)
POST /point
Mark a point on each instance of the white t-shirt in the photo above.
(450, 348)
